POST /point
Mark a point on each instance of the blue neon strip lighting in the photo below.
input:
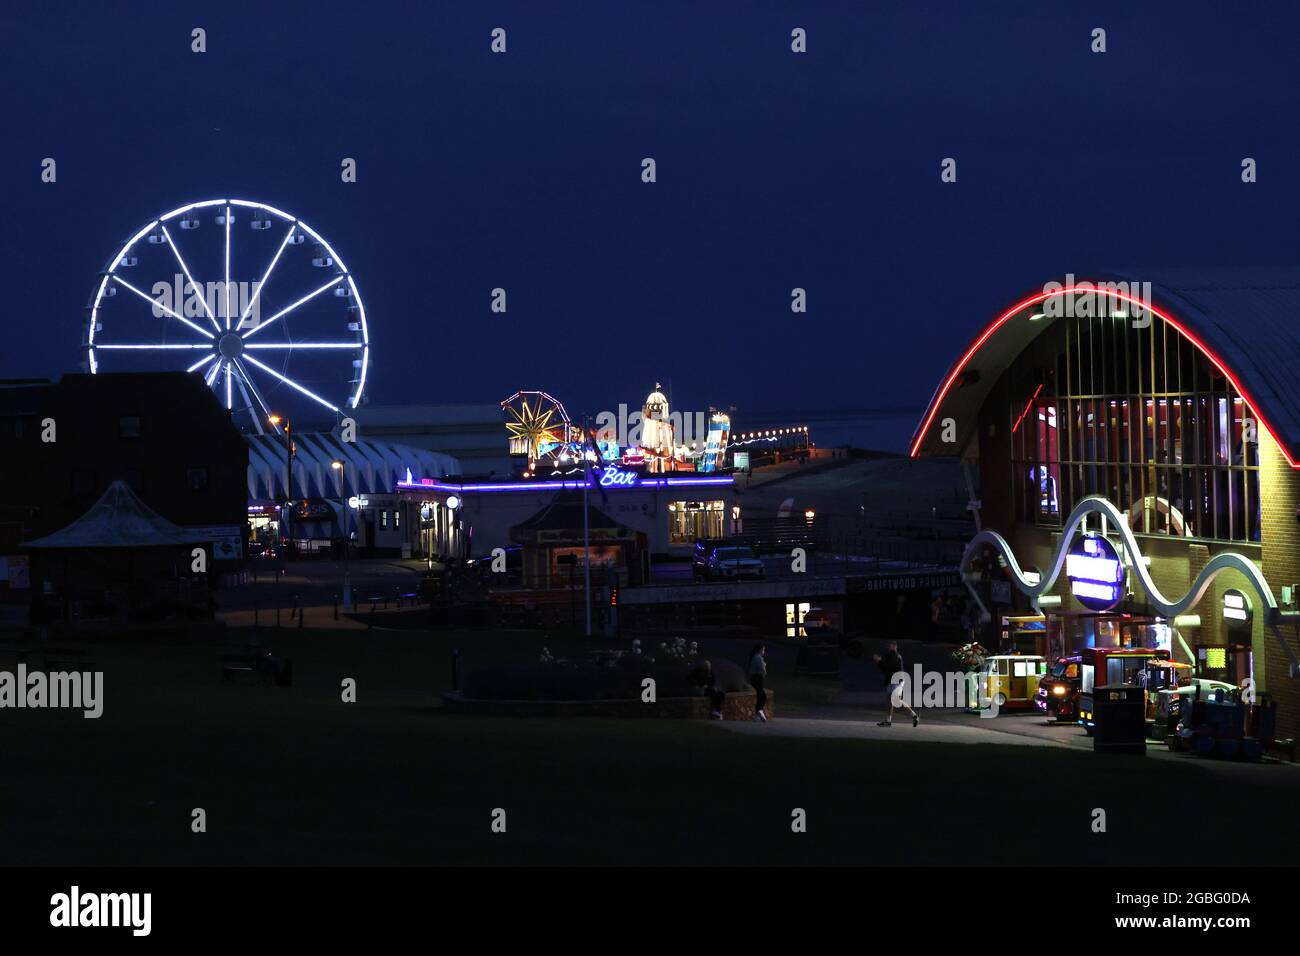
(543, 485)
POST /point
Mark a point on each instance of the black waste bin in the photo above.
(1119, 712)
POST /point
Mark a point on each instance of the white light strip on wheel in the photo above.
(297, 345)
(186, 269)
(248, 402)
(155, 302)
(291, 383)
(200, 345)
(258, 291)
(257, 394)
(229, 403)
(194, 205)
(307, 298)
(227, 298)
(198, 365)
(261, 205)
(211, 376)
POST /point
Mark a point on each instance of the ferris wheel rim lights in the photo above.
(344, 275)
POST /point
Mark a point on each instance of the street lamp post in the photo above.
(285, 515)
(338, 465)
(586, 524)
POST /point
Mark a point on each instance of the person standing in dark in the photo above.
(706, 679)
(758, 678)
(891, 665)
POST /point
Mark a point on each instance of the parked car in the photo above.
(732, 564)
(700, 559)
(499, 570)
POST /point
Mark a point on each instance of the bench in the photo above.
(233, 664)
(257, 661)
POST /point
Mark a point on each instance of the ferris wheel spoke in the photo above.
(285, 311)
(202, 362)
(227, 290)
(152, 345)
(302, 345)
(240, 376)
(257, 393)
(186, 269)
(266, 275)
(291, 383)
(154, 302)
(211, 375)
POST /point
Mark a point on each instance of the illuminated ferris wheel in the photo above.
(268, 314)
(538, 425)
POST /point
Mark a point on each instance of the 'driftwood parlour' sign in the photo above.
(227, 540)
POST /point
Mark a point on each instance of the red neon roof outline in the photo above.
(1110, 294)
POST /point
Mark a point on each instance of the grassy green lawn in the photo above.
(294, 775)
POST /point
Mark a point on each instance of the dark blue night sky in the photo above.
(775, 170)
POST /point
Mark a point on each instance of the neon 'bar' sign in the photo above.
(615, 477)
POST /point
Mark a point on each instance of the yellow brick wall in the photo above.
(1279, 499)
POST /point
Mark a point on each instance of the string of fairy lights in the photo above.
(769, 435)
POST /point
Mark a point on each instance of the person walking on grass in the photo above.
(891, 665)
(758, 678)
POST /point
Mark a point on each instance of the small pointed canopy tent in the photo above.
(119, 519)
(562, 519)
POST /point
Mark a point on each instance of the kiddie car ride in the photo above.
(1058, 691)
(1011, 680)
(1111, 667)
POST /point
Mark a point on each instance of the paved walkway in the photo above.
(930, 731)
(1014, 730)
(318, 616)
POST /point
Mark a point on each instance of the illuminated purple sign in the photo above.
(1096, 573)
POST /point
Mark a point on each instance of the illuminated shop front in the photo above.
(668, 510)
(319, 491)
(1140, 451)
(689, 520)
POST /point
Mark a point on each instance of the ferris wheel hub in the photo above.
(231, 345)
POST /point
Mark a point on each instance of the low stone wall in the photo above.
(736, 706)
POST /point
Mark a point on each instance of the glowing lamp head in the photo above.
(453, 502)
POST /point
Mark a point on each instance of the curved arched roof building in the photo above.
(1173, 395)
(1244, 322)
(371, 467)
